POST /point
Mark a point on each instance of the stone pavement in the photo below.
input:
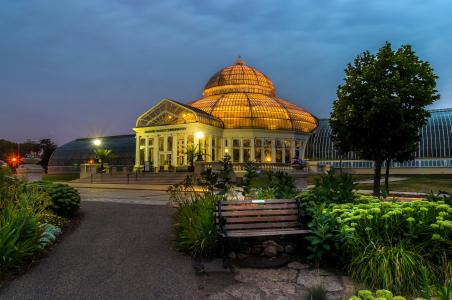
(285, 283)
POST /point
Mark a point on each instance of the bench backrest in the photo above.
(258, 214)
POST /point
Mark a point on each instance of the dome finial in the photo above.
(240, 61)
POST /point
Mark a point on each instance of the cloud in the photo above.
(71, 66)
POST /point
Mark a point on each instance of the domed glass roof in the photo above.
(243, 97)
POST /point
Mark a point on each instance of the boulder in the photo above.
(256, 249)
(290, 249)
(271, 251)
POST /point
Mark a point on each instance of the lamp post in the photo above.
(97, 142)
(199, 135)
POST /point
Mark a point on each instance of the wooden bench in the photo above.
(257, 218)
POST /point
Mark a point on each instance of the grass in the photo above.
(61, 177)
(358, 177)
(417, 183)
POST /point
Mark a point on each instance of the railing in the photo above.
(240, 167)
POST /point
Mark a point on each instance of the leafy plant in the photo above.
(316, 293)
(102, 155)
(65, 200)
(250, 174)
(265, 193)
(322, 240)
(20, 234)
(396, 267)
(194, 227)
(51, 218)
(283, 184)
(331, 188)
(379, 295)
(49, 234)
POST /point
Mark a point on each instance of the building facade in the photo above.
(239, 115)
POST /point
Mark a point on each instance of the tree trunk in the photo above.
(377, 177)
(388, 163)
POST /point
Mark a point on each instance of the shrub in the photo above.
(330, 188)
(397, 267)
(49, 234)
(20, 234)
(316, 293)
(283, 184)
(65, 200)
(265, 193)
(194, 227)
(379, 295)
(51, 218)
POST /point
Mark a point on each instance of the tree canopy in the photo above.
(381, 106)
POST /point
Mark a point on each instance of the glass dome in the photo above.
(243, 97)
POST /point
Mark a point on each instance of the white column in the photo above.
(156, 151)
(146, 149)
(293, 150)
(165, 148)
(209, 143)
(252, 157)
(185, 148)
(241, 150)
(137, 151)
(273, 150)
(174, 152)
(283, 158)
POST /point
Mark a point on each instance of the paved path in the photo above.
(124, 196)
(119, 251)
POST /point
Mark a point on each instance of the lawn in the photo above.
(61, 177)
(418, 183)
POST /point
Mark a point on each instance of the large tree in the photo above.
(381, 106)
(47, 147)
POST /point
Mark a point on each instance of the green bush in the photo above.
(283, 184)
(51, 218)
(330, 188)
(397, 267)
(194, 227)
(20, 234)
(65, 200)
(379, 295)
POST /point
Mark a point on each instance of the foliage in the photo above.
(397, 267)
(208, 179)
(323, 241)
(20, 234)
(382, 105)
(65, 200)
(51, 218)
(194, 226)
(102, 155)
(330, 188)
(250, 174)
(316, 293)
(265, 193)
(225, 176)
(47, 147)
(49, 234)
(379, 294)
(283, 184)
(192, 151)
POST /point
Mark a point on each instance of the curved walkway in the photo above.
(119, 251)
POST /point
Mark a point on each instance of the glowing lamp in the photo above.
(268, 159)
(97, 142)
(226, 150)
(199, 135)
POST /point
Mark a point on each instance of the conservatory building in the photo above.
(239, 114)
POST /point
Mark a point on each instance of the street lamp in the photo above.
(199, 135)
(97, 142)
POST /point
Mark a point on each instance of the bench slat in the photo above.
(253, 233)
(261, 225)
(231, 202)
(261, 219)
(258, 206)
(268, 212)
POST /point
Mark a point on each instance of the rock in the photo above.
(246, 250)
(232, 255)
(290, 249)
(277, 288)
(221, 296)
(329, 281)
(242, 256)
(266, 275)
(244, 291)
(279, 248)
(271, 251)
(256, 249)
(297, 266)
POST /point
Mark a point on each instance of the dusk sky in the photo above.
(80, 68)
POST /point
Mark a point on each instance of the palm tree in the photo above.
(101, 156)
(192, 153)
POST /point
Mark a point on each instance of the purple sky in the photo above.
(78, 68)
